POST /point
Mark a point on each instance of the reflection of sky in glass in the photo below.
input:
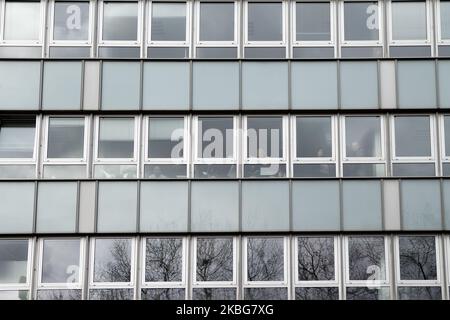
(61, 261)
(13, 261)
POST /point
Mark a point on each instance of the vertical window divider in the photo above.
(341, 269)
(137, 275)
(85, 280)
(34, 263)
(188, 265)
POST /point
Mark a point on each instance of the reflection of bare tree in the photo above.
(364, 293)
(163, 294)
(214, 294)
(214, 259)
(315, 258)
(365, 252)
(111, 294)
(59, 294)
(163, 260)
(117, 267)
(265, 259)
(319, 293)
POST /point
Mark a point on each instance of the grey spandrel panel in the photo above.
(91, 94)
(62, 85)
(117, 206)
(314, 85)
(359, 85)
(416, 82)
(87, 207)
(166, 86)
(421, 205)
(265, 206)
(362, 205)
(57, 207)
(315, 206)
(444, 84)
(121, 85)
(216, 85)
(265, 85)
(16, 218)
(164, 206)
(214, 206)
(19, 85)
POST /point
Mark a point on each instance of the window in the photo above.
(112, 269)
(164, 269)
(116, 148)
(265, 268)
(61, 269)
(418, 268)
(413, 146)
(445, 133)
(363, 146)
(444, 19)
(314, 147)
(313, 21)
(264, 145)
(22, 22)
(215, 266)
(366, 268)
(316, 269)
(17, 139)
(166, 149)
(215, 155)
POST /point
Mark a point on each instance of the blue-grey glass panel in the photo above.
(70, 52)
(20, 52)
(115, 171)
(265, 293)
(409, 52)
(214, 206)
(363, 136)
(64, 172)
(274, 170)
(19, 90)
(413, 169)
(265, 21)
(359, 85)
(265, 137)
(214, 171)
(313, 52)
(321, 170)
(446, 203)
(120, 21)
(13, 261)
(265, 52)
(314, 137)
(216, 21)
(362, 52)
(163, 294)
(216, 85)
(416, 84)
(215, 137)
(364, 170)
(362, 205)
(165, 171)
(217, 53)
(57, 207)
(366, 293)
(121, 85)
(112, 260)
(168, 52)
(166, 137)
(71, 21)
(314, 85)
(265, 206)
(313, 21)
(59, 294)
(164, 206)
(315, 206)
(412, 136)
(409, 20)
(17, 139)
(421, 205)
(214, 294)
(65, 138)
(166, 85)
(116, 138)
(419, 293)
(16, 207)
(117, 206)
(361, 21)
(418, 258)
(17, 172)
(444, 84)
(61, 261)
(14, 295)
(168, 21)
(318, 293)
(119, 52)
(111, 294)
(62, 85)
(265, 85)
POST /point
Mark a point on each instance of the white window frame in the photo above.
(314, 160)
(61, 286)
(317, 43)
(112, 285)
(362, 160)
(19, 43)
(419, 42)
(398, 159)
(30, 263)
(438, 24)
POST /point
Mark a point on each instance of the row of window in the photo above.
(227, 29)
(357, 267)
(225, 146)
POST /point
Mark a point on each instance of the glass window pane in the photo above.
(320, 293)
(17, 139)
(61, 261)
(274, 170)
(16, 218)
(314, 170)
(417, 258)
(265, 294)
(413, 169)
(316, 259)
(13, 261)
(164, 260)
(215, 259)
(361, 21)
(419, 293)
(215, 137)
(22, 20)
(112, 261)
(9, 171)
(214, 171)
(412, 136)
(168, 21)
(166, 138)
(65, 138)
(366, 258)
(116, 138)
(115, 171)
(216, 21)
(364, 170)
(313, 21)
(359, 85)
(409, 20)
(111, 294)
(446, 137)
(13, 295)
(265, 259)
(363, 137)
(367, 293)
(214, 294)
(445, 19)
(265, 21)
(165, 171)
(120, 21)
(264, 137)
(314, 138)
(163, 294)
(59, 294)
(71, 21)
(64, 171)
